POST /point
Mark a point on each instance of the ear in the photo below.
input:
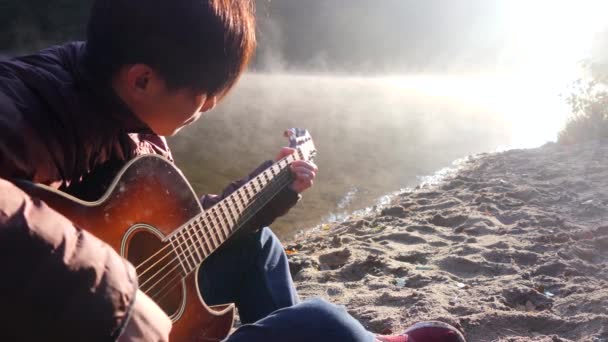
(210, 103)
(139, 77)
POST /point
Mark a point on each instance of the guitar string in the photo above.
(168, 245)
(172, 283)
(201, 238)
(281, 168)
(191, 250)
(244, 218)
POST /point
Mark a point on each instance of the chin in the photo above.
(174, 132)
(166, 132)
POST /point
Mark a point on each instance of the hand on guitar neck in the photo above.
(304, 171)
(154, 219)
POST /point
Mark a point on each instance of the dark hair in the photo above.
(200, 44)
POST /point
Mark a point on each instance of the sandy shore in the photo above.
(514, 247)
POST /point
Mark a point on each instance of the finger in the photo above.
(307, 174)
(306, 165)
(302, 183)
(284, 152)
(304, 177)
(300, 186)
(302, 168)
(304, 162)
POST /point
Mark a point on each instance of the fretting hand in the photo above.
(303, 171)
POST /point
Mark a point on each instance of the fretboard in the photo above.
(205, 233)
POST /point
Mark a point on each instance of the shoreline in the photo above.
(338, 217)
(513, 246)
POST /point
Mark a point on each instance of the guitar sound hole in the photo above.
(158, 270)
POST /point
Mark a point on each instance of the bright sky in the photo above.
(562, 37)
(547, 54)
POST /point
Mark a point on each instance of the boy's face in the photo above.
(164, 111)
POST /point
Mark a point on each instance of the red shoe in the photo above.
(431, 331)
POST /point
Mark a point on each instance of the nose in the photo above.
(209, 104)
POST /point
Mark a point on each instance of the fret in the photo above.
(232, 208)
(212, 240)
(268, 176)
(245, 198)
(216, 221)
(253, 186)
(197, 231)
(260, 182)
(235, 208)
(224, 228)
(225, 221)
(221, 225)
(223, 213)
(228, 214)
(219, 234)
(264, 177)
(241, 200)
(194, 245)
(239, 204)
(205, 231)
(246, 192)
(209, 230)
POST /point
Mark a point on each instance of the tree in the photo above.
(589, 99)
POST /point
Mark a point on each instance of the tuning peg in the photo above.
(289, 133)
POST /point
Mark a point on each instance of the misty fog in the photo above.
(391, 90)
(373, 138)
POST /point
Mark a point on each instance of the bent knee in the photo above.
(325, 312)
(332, 322)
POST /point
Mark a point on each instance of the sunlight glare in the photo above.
(552, 37)
(547, 40)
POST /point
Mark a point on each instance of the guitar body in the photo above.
(148, 200)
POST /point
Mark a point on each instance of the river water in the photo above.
(374, 136)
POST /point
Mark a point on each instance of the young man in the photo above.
(72, 115)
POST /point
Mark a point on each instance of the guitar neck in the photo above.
(200, 237)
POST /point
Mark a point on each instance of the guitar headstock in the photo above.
(301, 140)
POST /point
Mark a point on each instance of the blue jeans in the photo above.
(253, 272)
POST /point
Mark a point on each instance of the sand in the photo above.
(513, 247)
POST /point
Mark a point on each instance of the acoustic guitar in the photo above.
(152, 217)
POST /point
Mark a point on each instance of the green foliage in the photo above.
(589, 103)
(29, 25)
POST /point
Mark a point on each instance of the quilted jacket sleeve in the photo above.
(59, 283)
(21, 154)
